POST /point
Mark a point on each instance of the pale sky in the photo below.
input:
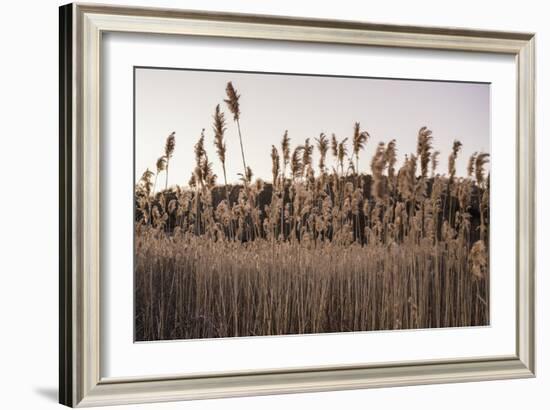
(184, 101)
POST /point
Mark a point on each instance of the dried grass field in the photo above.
(318, 248)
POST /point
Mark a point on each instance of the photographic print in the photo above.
(278, 204)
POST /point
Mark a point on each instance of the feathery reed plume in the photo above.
(406, 178)
(322, 146)
(219, 143)
(452, 160)
(275, 165)
(451, 192)
(481, 160)
(423, 149)
(145, 181)
(471, 164)
(391, 160)
(201, 178)
(219, 131)
(285, 149)
(342, 153)
(307, 154)
(378, 165)
(209, 176)
(435, 161)
(168, 152)
(334, 146)
(359, 141)
(296, 166)
(161, 166)
(200, 154)
(232, 102)
(248, 175)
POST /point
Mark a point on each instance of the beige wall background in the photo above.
(29, 206)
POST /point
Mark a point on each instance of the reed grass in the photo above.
(317, 249)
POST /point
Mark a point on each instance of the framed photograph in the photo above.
(258, 205)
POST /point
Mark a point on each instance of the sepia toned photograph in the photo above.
(287, 204)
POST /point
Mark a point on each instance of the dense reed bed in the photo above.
(315, 249)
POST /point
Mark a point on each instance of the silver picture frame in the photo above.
(81, 30)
